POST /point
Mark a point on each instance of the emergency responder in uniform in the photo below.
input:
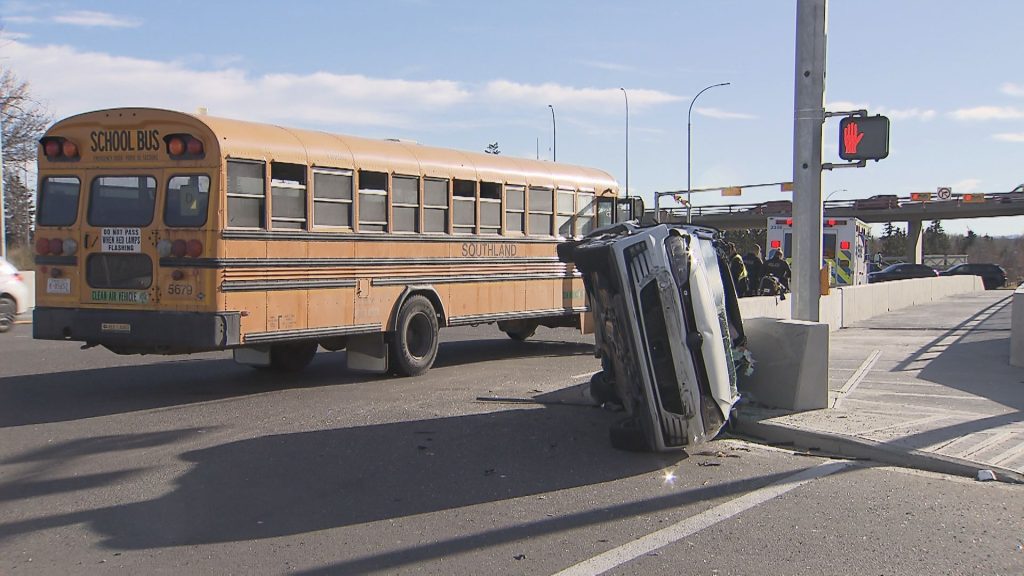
(755, 265)
(778, 267)
(738, 270)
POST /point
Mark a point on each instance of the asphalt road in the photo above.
(194, 465)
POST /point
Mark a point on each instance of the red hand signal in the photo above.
(851, 137)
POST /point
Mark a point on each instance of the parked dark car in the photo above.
(878, 202)
(1015, 195)
(773, 207)
(992, 276)
(902, 271)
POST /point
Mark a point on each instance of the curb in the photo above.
(864, 449)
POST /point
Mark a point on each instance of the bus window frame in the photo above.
(386, 193)
(577, 229)
(141, 174)
(461, 229)
(322, 200)
(530, 211)
(490, 229)
(521, 211)
(263, 221)
(78, 200)
(447, 207)
(167, 196)
(559, 214)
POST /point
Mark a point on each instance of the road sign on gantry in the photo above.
(944, 192)
(863, 137)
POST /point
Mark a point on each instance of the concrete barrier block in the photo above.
(791, 370)
(1017, 329)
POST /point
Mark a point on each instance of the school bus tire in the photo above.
(414, 341)
(292, 357)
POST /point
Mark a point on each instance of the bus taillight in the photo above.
(178, 248)
(195, 248)
(184, 147)
(59, 149)
(42, 246)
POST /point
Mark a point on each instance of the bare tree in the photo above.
(23, 120)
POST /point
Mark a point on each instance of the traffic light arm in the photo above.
(831, 166)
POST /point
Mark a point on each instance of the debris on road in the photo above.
(986, 475)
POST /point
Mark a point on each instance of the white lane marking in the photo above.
(630, 551)
(857, 376)
(587, 375)
(922, 395)
(994, 439)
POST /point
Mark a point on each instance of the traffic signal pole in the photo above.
(808, 118)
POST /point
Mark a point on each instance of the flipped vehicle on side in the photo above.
(668, 330)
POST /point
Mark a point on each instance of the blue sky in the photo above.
(464, 74)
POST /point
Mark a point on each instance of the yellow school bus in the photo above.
(160, 232)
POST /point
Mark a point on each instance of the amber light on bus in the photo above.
(59, 149)
(184, 147)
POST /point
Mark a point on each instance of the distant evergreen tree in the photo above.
(492, 148)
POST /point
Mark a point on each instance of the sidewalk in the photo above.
(925, 387)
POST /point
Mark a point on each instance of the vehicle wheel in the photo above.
(414, 342)
(602, 389)
(523, 334)
(629, 436)
(292, 357)
(8, 309)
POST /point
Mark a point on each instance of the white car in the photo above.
(13, 295)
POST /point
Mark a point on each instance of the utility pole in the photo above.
(808, 118)
(3, 207)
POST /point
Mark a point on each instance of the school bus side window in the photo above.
(435, 205)
(585, 213)
(464, 216)
(246, 194)
(566, 210)
(405, 203)
(332, 198)
(373, 201)
(515, 210)
(490, 207)
(541, 211)
(288, 196)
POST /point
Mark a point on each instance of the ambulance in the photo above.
(844, 243)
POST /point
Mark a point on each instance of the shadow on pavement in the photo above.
(302, 482)
(64, 396)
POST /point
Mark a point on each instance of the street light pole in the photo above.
(554, 136)
(689, 129)
(626, 96)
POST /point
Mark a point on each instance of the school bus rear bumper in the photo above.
(139, 331)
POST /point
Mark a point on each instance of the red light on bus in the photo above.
(56, 246)
(831, 222)
(776, 244)
(789, 222)
(42, 246)
(179, 248)
(70, 149)
(194, 147)
(51, 148)
(195, 248)
(844, 245)
(176, 146)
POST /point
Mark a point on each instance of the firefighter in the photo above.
(738, 270)
(755, 265)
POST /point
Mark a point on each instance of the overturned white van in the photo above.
(668, 330)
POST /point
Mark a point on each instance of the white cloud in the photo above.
(724, 114)
(1010, 136)
(76, 81)
(908, 114)
(1012, 89)
(92, 19)
(610, 66)
(557, 95)
(19, 19)
(72, 81)
(988, 113)
(967, 185)
(892, 113)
